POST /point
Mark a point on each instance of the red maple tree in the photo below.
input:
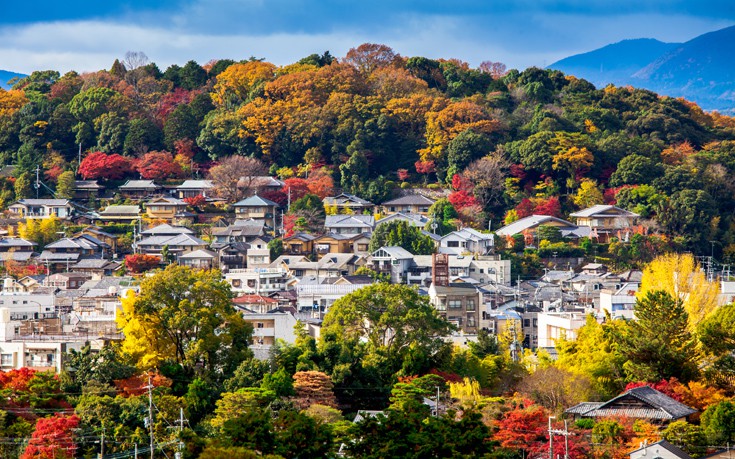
(53, 437)
(98, 165)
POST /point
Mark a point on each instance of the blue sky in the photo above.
(85, 36)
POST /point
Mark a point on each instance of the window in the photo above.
(362, 247)
(452, 243)
(470, 305)
(236, 283)
(260, 325)
(470, 321)
(526, 323)
(455, 304)
(6, 360)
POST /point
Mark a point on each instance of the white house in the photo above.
(554, 325)
(466, 241)
(42, 208)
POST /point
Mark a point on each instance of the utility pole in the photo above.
(136, 451)
(79, 160)
(564, 432)
(102, 443)
(178, 454)
(551, 439)
(436, 411)
(150, 414)
(38, 181)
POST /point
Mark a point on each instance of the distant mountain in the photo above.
(614, 63)
(701, 70)
(5, 76)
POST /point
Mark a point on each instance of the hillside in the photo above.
(700, 70)
(375, 124)
(5, 76)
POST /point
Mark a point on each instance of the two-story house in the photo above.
(138, 189)
(394, 261)
(87, 189)
(193, 188)
(299, 244)
(408, 204)
(257, 208)
(348, 204)
(349, 224)
(606, 221)
(466, 241)
(331, 243)
(166, 208)
(16, 249)
(42, 208)
(119, 214)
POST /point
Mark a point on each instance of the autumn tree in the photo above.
(233, 176)
(370, 56)
(313, 387)
(588, 194)
(185, 316)
(141, 262)
(239, 82)
(158, 165)
(98, 165)
(41, 231)
(681, 277)
(53, 437)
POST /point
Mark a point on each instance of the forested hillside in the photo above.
(536, 141)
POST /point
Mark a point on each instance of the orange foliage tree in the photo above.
(313, 387)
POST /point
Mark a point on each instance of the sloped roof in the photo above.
(531, 221)
(43, 202)
(166, 229)
(259, 181)
(198, 254)
(49, 256)
(177, 240)
(15, 242)
(167, 200)
(345, 198)
(87, 185)
(120, 210)
(602, 210)
(655, 405)
(139, 184)
(673, 449)
(399, 253)
(301, 236)
(255, 201)
(349, 221)
(412, 219)
(195, 185)
(410, 200)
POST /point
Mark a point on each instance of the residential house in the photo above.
(664, 450)
(166, 230)
(348, 204)
(317, 296)
(120, 214)
(466, 241)
(349, 224)
(176, 245)
(16, 249)
(42, 208)
(263, 281)
(138, 189)
(527, 227)
(408, 204)
(619, 303)
(299, 244)
(268, 328)
(68, 251)
(239, 231)
(200, 259)
(194, 188)
(459, 304)
(606, 221)
(254, 303)
(165, 208)
(393, 261)
(87, 189)
(232, 255)
(258, 258)
(257, 208)
(642, 402)
(331, 243)
(97, 268)
(554, 325)
(417, 220)
(67, 281)
(101, 235)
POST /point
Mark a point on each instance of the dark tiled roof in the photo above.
(410, 200)
(656, 405)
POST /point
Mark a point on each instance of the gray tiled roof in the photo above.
(410, 200)
(195, 185)
(255, 201)
(656, 405)
(139, 185)
(531, 221)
